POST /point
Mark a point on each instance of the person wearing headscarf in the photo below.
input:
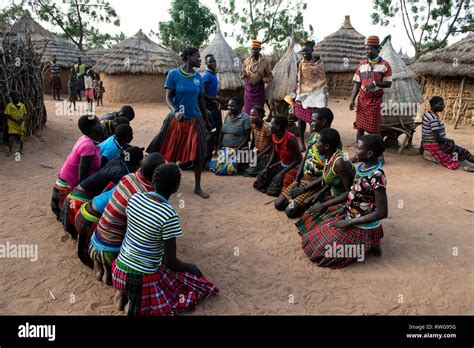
(256, 73)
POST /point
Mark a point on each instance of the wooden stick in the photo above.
(458, 116)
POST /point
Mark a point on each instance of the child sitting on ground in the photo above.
(15, 113)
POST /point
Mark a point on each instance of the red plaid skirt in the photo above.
(443, 158)
(162, 293)
(315, 242)
(368, 117)
(302, 113)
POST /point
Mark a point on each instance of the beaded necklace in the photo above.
(365, 172)
(329, 164)
(375, 61)
(183, 72)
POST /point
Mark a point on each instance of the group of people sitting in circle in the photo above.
(115, 201)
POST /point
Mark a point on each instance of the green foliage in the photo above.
(191, 24)
(271, 21)
(75, 20)
(428, 23)
(9, 15)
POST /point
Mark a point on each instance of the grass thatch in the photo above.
(229, 65)
(343, 50)
(456, 60)
(137, 55)
(96, 53)
(405, 91)
(284, 76)
(47, 44)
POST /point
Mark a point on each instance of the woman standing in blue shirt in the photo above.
(182, 137)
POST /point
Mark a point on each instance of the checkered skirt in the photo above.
(315, 241)
(162, 293)
(299, 200)
(302, 113)
(368, 117)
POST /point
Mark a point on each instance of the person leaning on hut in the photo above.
(182, 137)
(55, 79)
(434, 141)
(310, 88)
(256, 72)
(371, 77)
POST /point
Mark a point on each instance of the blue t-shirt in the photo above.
(101, 200)
(211, 83)
(110, 148)
(186, 92)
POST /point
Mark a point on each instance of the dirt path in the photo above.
(252, 252)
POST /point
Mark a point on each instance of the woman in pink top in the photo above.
(83, 161)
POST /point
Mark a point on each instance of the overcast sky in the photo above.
(326, 17)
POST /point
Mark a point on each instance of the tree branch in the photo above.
(81, 27)
(406, 28)
(409, 21)
(427, 21)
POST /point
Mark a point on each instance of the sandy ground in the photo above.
(247, 248)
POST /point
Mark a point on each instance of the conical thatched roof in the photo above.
(228, 62)
(405, 88)
(137, 55)
(284, 75)
(96, 53)
(343, 50)
(47, 44)
(454, 60)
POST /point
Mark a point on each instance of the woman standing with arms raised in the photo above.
(182, 137)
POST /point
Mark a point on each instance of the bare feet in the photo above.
(107, 277)
(98, 271)
(201, 193)
(121, 299)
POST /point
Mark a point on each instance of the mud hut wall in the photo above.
(130, 88)
(340, 84)
(449, 88)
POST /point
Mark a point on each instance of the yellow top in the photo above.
(17, 112)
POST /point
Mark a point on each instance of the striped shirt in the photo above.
(262, 136)
(55, 69)
(430, 123)
(151, 221)
(113, 223)
(367, 73)
(234, 129)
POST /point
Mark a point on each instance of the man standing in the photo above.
(372, 76)
(55, 79)
(213, 101)
(256, 72)
(81, 73)
(310, 88)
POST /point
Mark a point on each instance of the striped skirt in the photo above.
(300, 200)
(162, 293)
(60, 191)
(86, 221)
(324, 238)
(181, 141)
(72, 204)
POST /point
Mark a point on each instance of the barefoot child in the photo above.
(15, 113)
(73, 89)
(99, 92)
(89, 84)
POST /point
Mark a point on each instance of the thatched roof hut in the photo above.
(48, 46)
(229, 65)
(402, 99)
(449, 73)
(341, 53)
(96, 53)
(135, 70)
(284, 81)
